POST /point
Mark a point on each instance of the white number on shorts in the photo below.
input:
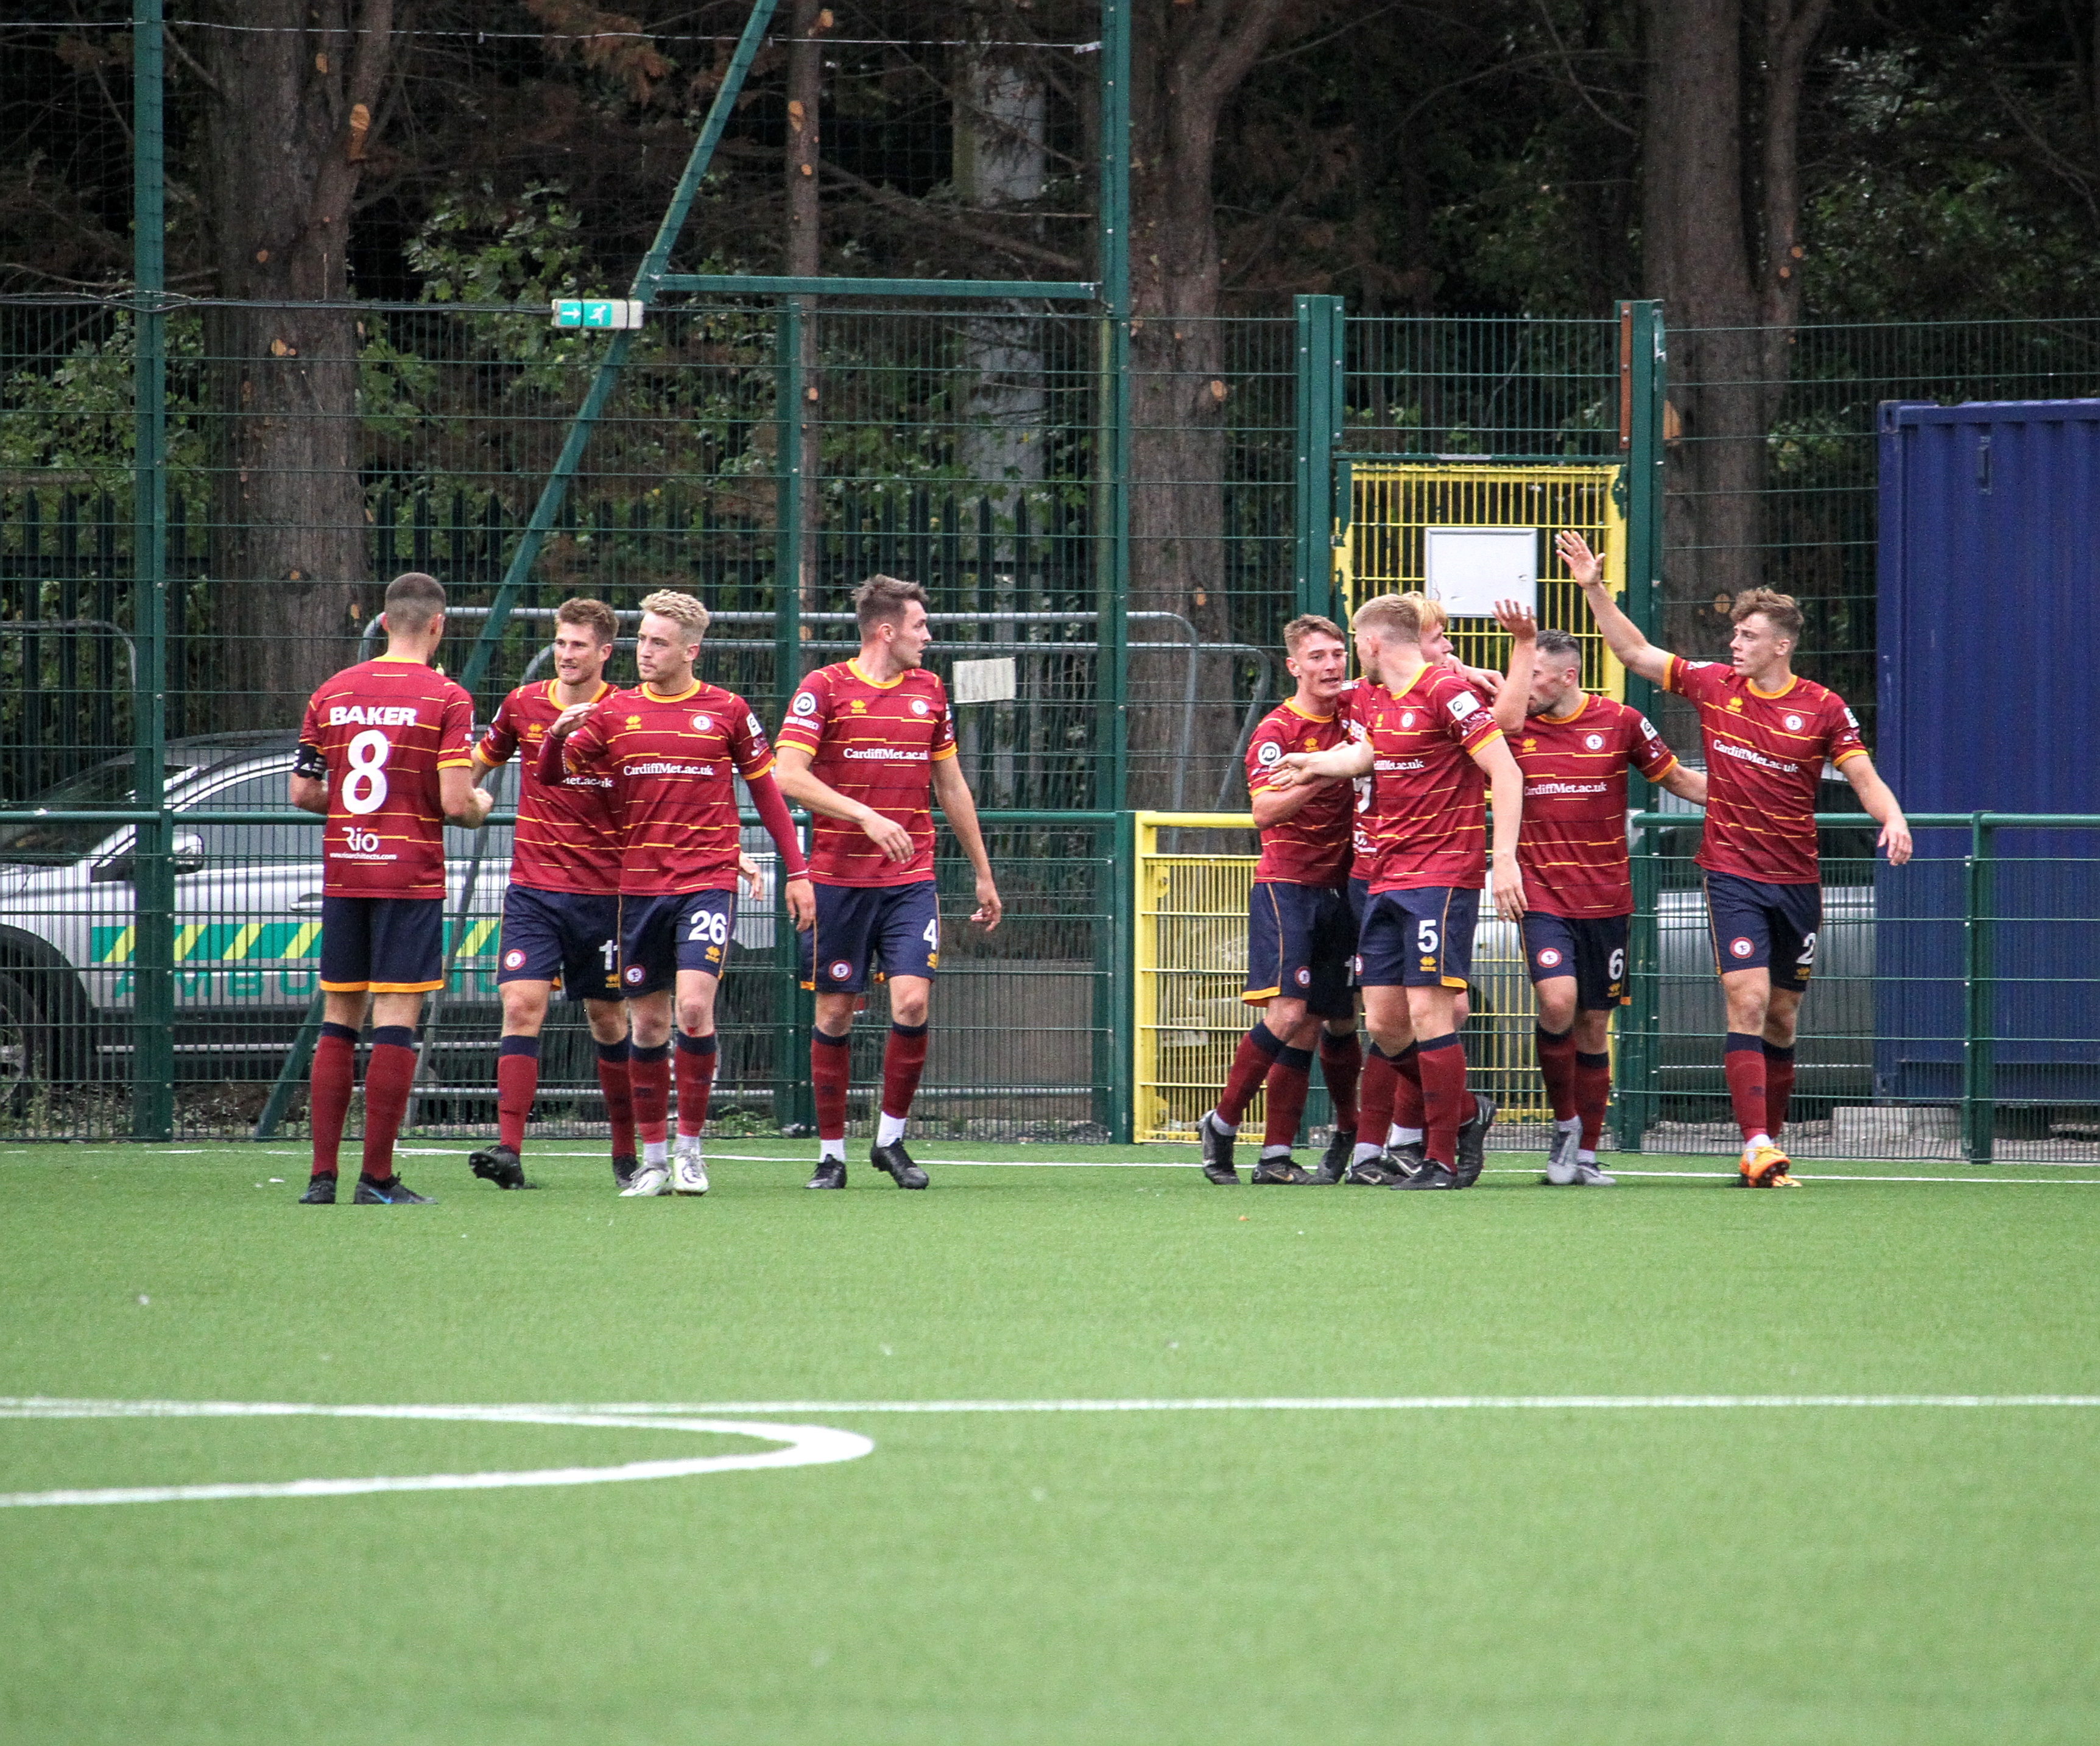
(1618, 966)
(710, 926)
(932, 936)
(364, 790)
(608, 951)
(1808, 951)
(1425, 938)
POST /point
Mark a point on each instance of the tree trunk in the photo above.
(805, 260)
(1719, 249)
(1188, 57)
(291, 111)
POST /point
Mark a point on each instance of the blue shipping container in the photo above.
(1989, 651)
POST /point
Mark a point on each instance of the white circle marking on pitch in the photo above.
(803, 1446)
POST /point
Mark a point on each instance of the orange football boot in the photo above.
(1766, 1166)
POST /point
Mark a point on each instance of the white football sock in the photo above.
(1364, 1149)
(831, 1151)
(655, 1151)
(1222, 1126)
(889, 1130)
(1585, 1157)
(1396, 1135)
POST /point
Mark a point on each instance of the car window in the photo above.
(47, 842)
(238, 845)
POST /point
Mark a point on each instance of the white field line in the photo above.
(1386, 1403)
(803, 1446)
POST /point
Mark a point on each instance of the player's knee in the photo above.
(1593, 1032)
(908, 1006)
(608, 1020)
(524, 1010)
(1556, 1003)
(1284, 1018)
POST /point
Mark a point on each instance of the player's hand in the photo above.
(479, 804)
(569, 720)
(1481, 678)
(1508, 887)
(989, 907)
(1583, 564)
(890, 837)
(801, 902)
(1516, 618)
(1290, 771)
(1895, 839)
(747, 869)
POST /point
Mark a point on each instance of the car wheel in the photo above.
(26, 1042)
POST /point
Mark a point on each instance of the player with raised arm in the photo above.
(1574, 749)
(1433, 749)
(674, 746)
(561, 910)
(1299, 935)
(385, 754)
(1768, 734)
(866, 745)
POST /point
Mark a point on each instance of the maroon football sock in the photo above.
(904, 1060)
(1743, 1060)
(1407, 1104)
(828, 1075)
(1288, 1082)
(649, 1074)
(388, 1075)
(1445, 1101)
(517, 1080)
(612, 1081)
(1374, 1095)
(1251, 1060)
(1779, 1086)
(696, 1077)
(1593, 1093)
(1556, 1067)
(1342, 1065)
(328, 1096)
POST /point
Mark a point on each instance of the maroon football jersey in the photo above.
(1311, 846)
(1764, 753)
(675, 761)
(1353, 707)
(1429, 800)
(568, 835)
(1572, 848)
(387, 727)
(877, 744)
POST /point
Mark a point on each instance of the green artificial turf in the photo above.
(1480, 1575)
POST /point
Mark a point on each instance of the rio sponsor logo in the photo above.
(371, 715)
(363, 843)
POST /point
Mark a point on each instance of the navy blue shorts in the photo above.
(568, 937)
(1592, 950)
(659, 936)
(1299, 946)
(864, 930)
(1760, 926)
(389, 945)
(1359, 900)
(1420, 939)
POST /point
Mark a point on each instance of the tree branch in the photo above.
(1567, 66)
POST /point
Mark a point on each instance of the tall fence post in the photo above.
(153, 873)
(1644, 372)
(1120, 883)
(1113, 594)
(794, 1104)
(1640, 1030)
(1979, 1112)
(1321, 367)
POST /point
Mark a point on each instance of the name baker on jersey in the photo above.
(371, 715)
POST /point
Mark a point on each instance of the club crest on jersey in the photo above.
(804, 704)
(703, 723)
(1407, 718)
(1548, 957)
(918, 705)
(1595, 742)
(1741, 948)
(1794, 724)
(1269, 755)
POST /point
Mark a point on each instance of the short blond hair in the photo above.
(686, 609)
(1782, 611)
(1402, 617)
(1309, 624)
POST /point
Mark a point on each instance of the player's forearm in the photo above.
(1687, 785)
(773, 814)
(1623, 637)
(553, 765)
(1875, 795)
(1350, 760)
(1273, 805)
(959, 807)
(309, 795)
(804, 788)
(1515, 696)
(1505, 785)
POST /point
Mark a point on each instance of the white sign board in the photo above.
(984, 681)
(1468, 569)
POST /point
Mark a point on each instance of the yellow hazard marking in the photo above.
(303, 938)
(243, 940)
(121, 952)
(186, 936)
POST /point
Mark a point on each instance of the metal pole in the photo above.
(794, 1102)
(646, 278)
(1979, 1113)
(1646, 365)
(1639, 1030)
(1115, 591)
(153, 998)
(1119, 886)
(1321, 366)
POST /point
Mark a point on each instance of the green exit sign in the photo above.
(602, 313)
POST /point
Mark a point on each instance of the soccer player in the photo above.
(384, 754)
(866, 743)
(560, 912)
(673, 746)
(1768, 734)
(1574, 750)
(1299, 935)
(1431, 742)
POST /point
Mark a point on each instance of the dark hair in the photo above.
(1307, 625)
(1780, 613)
(413, 600)
(1563, 647)
(881, 600)
(595, 614)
